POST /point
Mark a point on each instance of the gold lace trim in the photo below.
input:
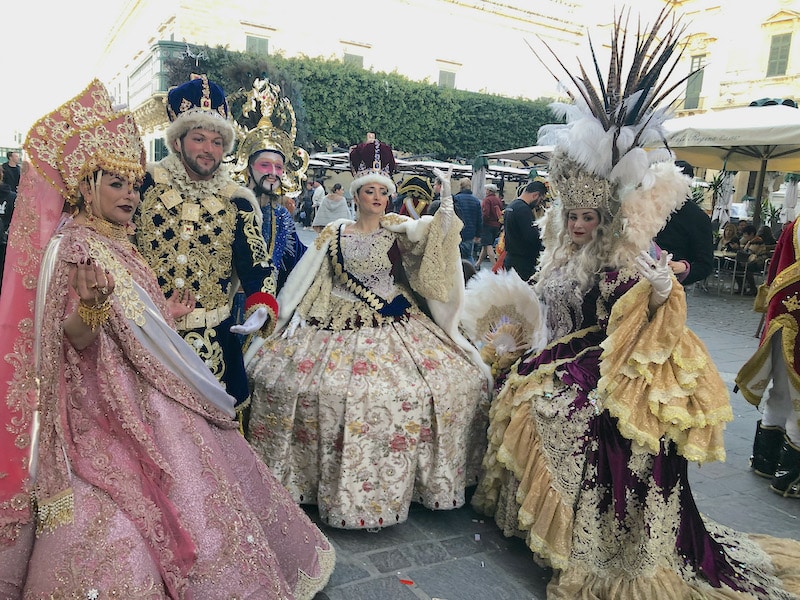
(431, 264)
(661, 363)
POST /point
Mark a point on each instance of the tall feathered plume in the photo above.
(624, 108)
(610, 154)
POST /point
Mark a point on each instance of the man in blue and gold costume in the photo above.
(273, 168)
(200, 232)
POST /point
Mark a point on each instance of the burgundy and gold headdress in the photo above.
(372, 162)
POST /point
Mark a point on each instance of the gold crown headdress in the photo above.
(601, 158)
(275, 131)
(83, 136)
(578, 188)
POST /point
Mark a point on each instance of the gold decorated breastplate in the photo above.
(188, 242)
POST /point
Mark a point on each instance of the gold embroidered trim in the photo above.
(132, 304)
(258, 248)
(189, 255)
(307, 586)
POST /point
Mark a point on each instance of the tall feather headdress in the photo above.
(603, 157)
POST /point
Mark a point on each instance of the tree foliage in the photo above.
(337, 103)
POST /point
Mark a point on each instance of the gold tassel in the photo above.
(58, 510)
(94, 315)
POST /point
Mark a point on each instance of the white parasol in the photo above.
(748, 138)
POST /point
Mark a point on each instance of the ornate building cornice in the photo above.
(151, 115)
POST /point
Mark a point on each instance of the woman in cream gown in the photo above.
(362, 403)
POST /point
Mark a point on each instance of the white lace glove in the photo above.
(659, 274)
(446, 195)
(253, 323)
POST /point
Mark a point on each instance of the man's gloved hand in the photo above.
(253, 323)
(659, 274)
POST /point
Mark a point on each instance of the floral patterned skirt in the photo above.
(364, 421)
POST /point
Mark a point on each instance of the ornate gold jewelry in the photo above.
(94, 315)
(111, 230)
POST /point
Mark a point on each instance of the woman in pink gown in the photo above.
(142, 485)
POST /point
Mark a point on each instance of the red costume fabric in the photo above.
(779, 297)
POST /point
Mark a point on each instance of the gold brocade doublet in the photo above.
(187, 239)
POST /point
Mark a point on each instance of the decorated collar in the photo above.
(221, 184)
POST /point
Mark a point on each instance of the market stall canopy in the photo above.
(339, 161)
(749, 138)
(530, 155)
(425, 166)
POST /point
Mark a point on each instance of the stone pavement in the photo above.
(461, 555)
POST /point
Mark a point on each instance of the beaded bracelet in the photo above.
(96, 314)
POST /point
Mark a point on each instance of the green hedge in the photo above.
(336, 104)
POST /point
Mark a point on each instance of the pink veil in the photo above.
(36, 216)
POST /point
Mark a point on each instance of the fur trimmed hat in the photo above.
(198, 104)
(372, 162)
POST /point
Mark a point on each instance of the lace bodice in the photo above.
(366, 257)
(564, 301)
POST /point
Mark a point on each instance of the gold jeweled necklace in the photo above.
(114, 231)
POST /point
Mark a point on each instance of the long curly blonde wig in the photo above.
(644, 210)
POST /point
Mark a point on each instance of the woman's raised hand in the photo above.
(181, 303)
(658, 273)
(91, 282)
(446, 195)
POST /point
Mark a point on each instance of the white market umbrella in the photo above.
(530, 155)
(748, 138)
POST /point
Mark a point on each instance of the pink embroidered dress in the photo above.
(123, 456)
(146, 488)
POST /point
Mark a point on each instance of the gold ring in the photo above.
(104, 290)
(93, 286)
